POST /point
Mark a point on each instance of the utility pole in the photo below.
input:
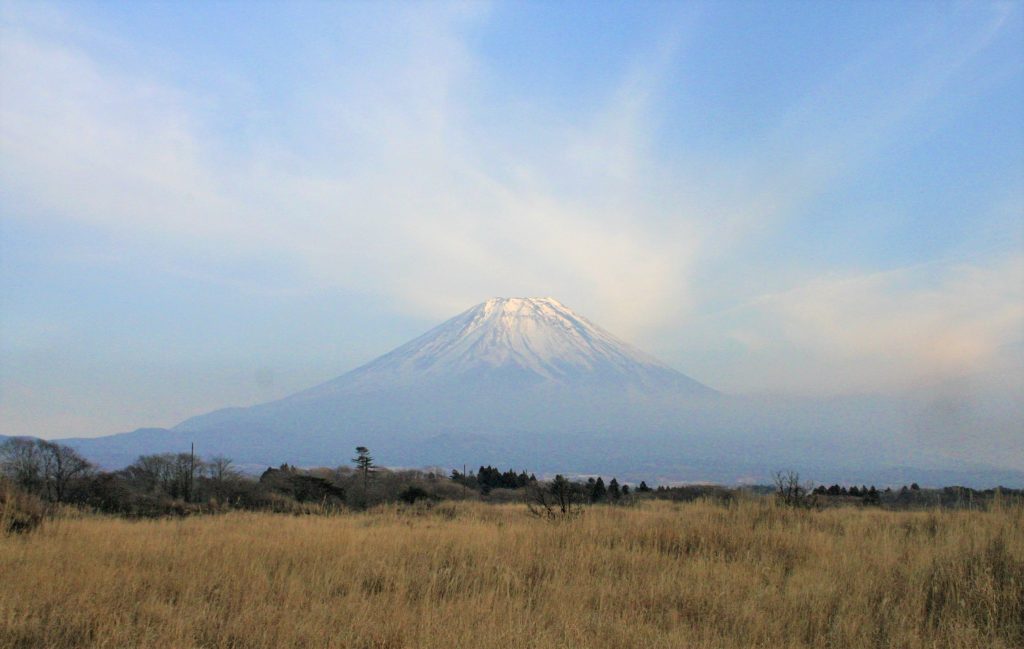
(191, 470)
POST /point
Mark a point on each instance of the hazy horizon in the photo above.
(220, 205)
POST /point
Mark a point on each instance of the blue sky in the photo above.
(210, 204)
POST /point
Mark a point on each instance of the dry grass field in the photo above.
(751, 574)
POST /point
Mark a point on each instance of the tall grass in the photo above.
(471, 575)
(19, 512)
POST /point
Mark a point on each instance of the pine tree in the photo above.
(364, 465)
(613, 489)
(872, 497)
(597, 490)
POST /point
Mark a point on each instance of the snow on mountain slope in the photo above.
(516, 341)
(508, 365)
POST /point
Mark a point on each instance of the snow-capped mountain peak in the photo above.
(518, 340)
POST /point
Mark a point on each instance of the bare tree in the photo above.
(42, 467)
(168, 473)
(555, 500)
(221, 474)
(790, 491)
(22, 462)
(221, 469)
(62, 464)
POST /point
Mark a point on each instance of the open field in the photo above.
(751, 574)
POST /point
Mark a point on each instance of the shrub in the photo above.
(302, 486)
(103, 492)
(412, 493)
(20, 512)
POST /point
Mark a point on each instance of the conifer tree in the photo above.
(364, 465)
(613, 489)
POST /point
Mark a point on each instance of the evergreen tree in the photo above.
(872, 497)
(364, 465)
(597, 490)
(643, 488)
(613, 489)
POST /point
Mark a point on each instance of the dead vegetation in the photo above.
(20, 512)
(750, 573)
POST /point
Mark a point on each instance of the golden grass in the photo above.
(475, 576)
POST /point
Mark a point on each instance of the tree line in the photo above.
(488, 478)
(181, 483)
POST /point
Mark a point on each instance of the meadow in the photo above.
(747, 574)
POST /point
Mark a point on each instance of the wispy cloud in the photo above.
(401, 201)
(875, 332)
(384, 171)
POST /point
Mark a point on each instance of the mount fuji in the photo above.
(499, 378)
(517, 344)
(527, 382)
